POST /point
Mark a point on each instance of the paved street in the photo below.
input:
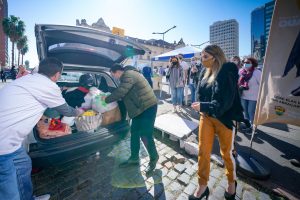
(99, 177)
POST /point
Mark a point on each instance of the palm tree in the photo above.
(24, 50)
(20, 44)
(14, 28)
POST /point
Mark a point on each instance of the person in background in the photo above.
(23, 103)
(237, 61)
(161, 71)
(218, 100)
(22, 71)
(248, 83)
(3, 76)
(141, 105)
(147, 73)
(185, 66)
(13, 73)
(76, 97)
(176, 78)
(167, 72)
(193, 77)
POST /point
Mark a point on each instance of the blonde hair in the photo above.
(219, 56)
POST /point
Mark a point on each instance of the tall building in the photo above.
(269, 8)
(226, 35)
(258, 33)
(3, 37)
(260, 27)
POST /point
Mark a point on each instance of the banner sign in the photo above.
(279, 94)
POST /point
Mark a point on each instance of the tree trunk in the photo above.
(12, 53)
(22, 59)
(18, 57)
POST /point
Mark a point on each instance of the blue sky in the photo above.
(139, 18)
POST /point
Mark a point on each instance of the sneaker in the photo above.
(129, 162)
(43, 197)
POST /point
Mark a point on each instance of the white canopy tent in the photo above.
(187, 51)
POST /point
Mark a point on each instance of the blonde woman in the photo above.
(218, 103)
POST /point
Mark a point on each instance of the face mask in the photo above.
(247, 65)
(208, 63)
(174, 63)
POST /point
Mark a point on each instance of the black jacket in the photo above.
(221, 99)
(74, 98)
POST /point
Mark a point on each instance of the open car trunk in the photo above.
(47, 152)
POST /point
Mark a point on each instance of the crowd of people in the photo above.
(222, 91)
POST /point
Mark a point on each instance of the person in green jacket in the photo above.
(141, 104)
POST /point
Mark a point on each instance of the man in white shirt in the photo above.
(23, 103)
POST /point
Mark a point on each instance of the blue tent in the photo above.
(187, 51)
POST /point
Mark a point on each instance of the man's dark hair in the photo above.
(116, 67)
(50, 66)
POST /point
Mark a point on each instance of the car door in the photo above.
(74, 45)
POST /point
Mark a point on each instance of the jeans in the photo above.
(15, 176)
(193, 89)
(142, 127)
(177, 95)
(249, 109)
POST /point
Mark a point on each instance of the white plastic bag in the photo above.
(100, 105)
(68, 120)
(87, 104)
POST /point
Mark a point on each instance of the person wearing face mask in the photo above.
(141, 105)
(176, 79)
(193, 77)
(23, 103)
(249, 82)
(219, 104)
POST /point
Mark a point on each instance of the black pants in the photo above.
(142, 127)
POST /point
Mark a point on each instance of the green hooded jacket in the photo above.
(135, 91)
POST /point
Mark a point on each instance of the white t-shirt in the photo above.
(23, 103)
(253, 84)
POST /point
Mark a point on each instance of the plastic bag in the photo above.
(100, 105)
(88, 122)
(88, 98)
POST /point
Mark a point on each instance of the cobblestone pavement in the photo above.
(99, 177)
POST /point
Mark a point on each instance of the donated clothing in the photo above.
(253, 84)
(23, 103)
(135, 91)
(76, 97)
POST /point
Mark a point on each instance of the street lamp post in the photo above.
(199, 45)
(163, 33)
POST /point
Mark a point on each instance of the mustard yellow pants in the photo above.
(208, 127)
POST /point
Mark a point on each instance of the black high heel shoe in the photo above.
(230, 196)
(204, 194)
